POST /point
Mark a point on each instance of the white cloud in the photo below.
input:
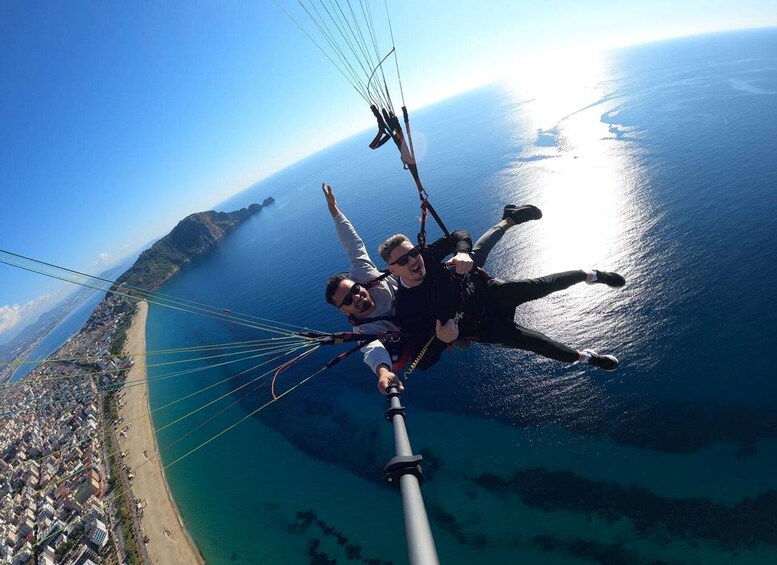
(103, 258)
(11, 315)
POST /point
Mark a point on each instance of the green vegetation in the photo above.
(192, 236)
(115, 487)
(125, 309)
(154, 266)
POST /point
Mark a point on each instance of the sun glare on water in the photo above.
(574, 170)
(585, 181)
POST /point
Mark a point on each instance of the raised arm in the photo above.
(331, 201)
(362, 268)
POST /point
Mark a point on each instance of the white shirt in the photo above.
(362, 271)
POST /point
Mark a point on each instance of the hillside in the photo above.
(193, 236)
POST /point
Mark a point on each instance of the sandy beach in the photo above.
(169, 542)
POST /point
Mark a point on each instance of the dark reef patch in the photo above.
(353, 551)
(318, 557)
(430, 464)
(447, 521)
(748, 523)
(305, 519)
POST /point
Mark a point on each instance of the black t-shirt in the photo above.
(438, 297)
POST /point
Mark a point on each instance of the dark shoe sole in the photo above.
(520, 214)
(610, 279)
(604, 362)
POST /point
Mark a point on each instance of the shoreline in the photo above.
(169, 542)
(31, 347)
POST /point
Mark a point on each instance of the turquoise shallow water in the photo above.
(658, 163)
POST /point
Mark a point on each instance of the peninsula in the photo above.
(193, 236)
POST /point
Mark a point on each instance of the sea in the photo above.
(656, 161)
(69, 326)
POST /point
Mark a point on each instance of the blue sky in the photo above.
(117, 119)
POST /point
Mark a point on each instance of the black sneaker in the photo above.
(606, 362)
(520, 214)
(609, 278)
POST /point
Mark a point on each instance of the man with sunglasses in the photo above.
(369, 303)
(438, 306)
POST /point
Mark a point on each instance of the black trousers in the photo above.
(503, 297)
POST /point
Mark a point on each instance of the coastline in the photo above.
(169, 542)
(30, 348)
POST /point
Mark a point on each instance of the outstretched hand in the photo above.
(447, 333)
(463, 262)
(331, 201)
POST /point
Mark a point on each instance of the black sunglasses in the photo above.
(348, 300)
(403, 260)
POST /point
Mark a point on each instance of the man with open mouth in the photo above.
(366, 295)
